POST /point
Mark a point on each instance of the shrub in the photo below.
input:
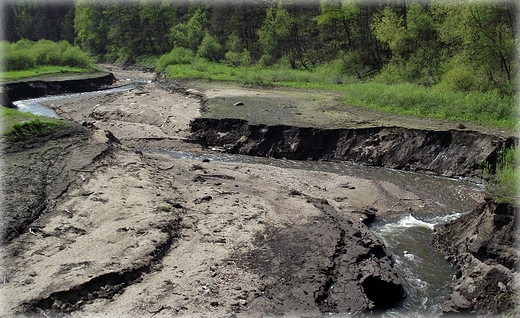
(73, 56)
(503, 185)
(210, 48)
(239, 59)
(26, 54)
(23, 44)
(178, 55)
(391, 74)
(460, 79)
(48, 52)
(15, 61)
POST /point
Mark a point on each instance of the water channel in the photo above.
(426, 274)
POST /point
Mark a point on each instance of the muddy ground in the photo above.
(107, 230)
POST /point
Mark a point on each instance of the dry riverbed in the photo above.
(101, 229)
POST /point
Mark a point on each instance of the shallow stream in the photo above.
(426, 274)
(33, 105)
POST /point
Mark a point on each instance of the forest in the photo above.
(459, 45)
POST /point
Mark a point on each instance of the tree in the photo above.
(274, 34)
(189, 34)
(90, 27)
(416, 50)
(156, 19)
(35, 20)
(210, 48)
(483, 43)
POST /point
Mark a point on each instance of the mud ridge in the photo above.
(383, 292)
(42, 159)
(103, 286)
(452, 153)
(39, 88)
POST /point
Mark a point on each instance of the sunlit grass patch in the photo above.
(18, 125)
(503, 184)
(44, 70)
(409, 99)
(487, 108)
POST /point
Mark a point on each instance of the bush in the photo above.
(239, 59)
(178, 55)
(23, 44)
(503, 184)
(460, 79)
(391, 74)
(26, 54)
(73, 56)
(125, 56)
(210, 48)
(48, 52)
(15, 61)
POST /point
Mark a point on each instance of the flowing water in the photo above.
(426, 274)
(33, 105)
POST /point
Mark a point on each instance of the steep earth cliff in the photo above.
(482, 245)
(448, 153)
(67, 83)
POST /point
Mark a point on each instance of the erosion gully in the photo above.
(425, 272)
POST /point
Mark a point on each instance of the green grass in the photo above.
(503, 184)
(18, 125)
(45, 70)
(26, 58)
(407, 99)
(489, 109)
(278, 75)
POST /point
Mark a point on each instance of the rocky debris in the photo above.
(482, 245)
(194, 92)
(447, 153)
(37, 88)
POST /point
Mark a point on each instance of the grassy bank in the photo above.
(486, 108)
(28, 59)
(45, 70)
(19, 125)
(505, 177)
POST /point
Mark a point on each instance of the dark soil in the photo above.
(450, 153)
(53, 85)
(483, 246)
(38, 170)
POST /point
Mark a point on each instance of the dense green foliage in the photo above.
(26, 54)
(504, 179)
(462, 46)
(19, 125)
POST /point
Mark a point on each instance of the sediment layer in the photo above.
(451, 153)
